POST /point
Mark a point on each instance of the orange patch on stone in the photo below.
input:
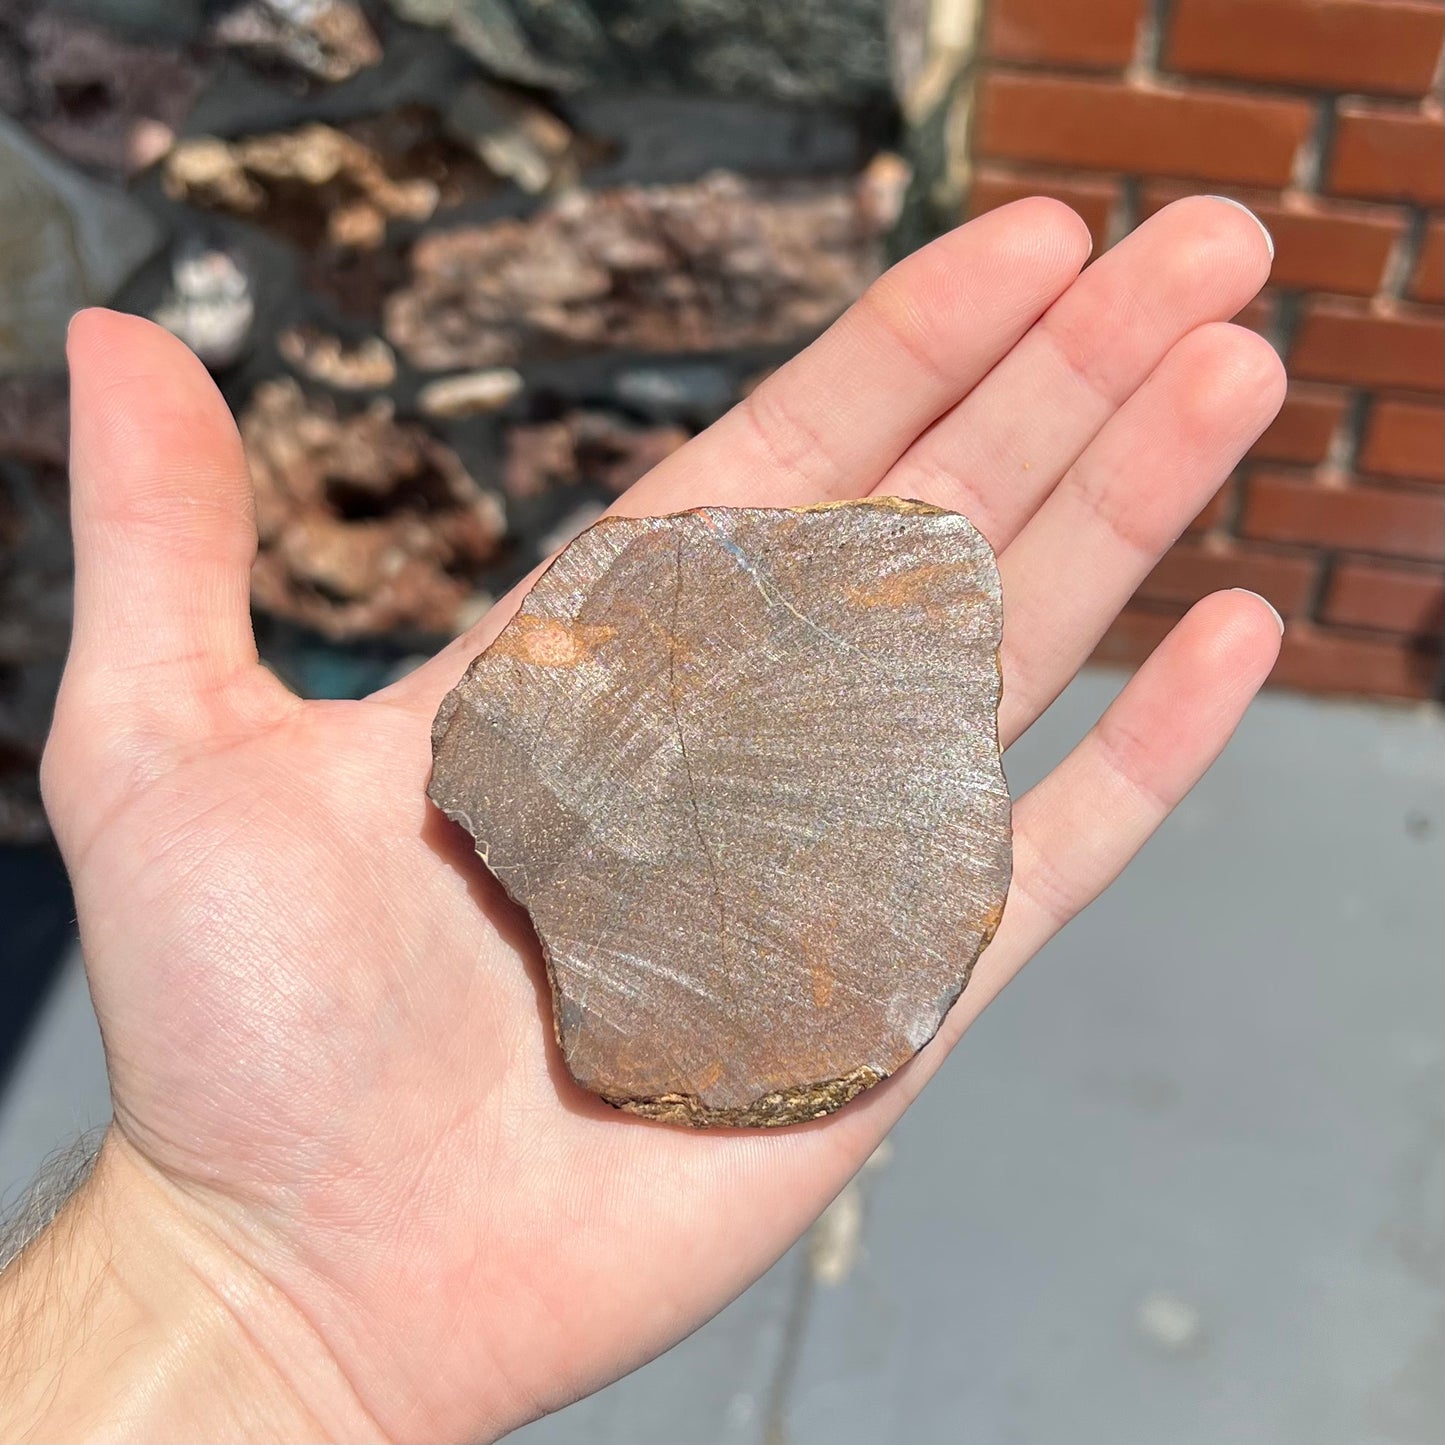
(545, 642)
(914, 587)
(820, 971)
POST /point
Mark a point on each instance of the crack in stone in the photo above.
(672, 697)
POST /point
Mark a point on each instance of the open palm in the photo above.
(327, 1030)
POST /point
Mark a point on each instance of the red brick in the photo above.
(1319, 659)
(1405, 439)
(1318, 246)
(1099, 34)
(1388, 154)
(1427, 283)
(1259, 314)
(1280, 507)
(1389, 599)
(1213, 511)
(1305, 426)
(1386, 46)
(1347, 341)
(1092, 197)
(1200, 132)
(1190, 571)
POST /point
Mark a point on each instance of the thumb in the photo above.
(162, 517)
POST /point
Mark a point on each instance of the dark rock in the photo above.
(669, 138)
(685, 389)
(367, 525)
(516, 137)
(175, 21)
(357, 283)
(331, 188)
(488, 30)
(35, 590)
(813, 51)
(741, 767)
(328, 40)
(66, 241)
(35, 420)
(709, 266)
(106, 103)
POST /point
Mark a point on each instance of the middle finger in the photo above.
(1004, 447)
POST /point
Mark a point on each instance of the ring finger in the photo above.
(1136, 487)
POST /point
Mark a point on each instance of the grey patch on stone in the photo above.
(158, 19)
(488, 30)
(328, 40)
(686, 390)
(515, 137)
(681, 137)
(209, 303)
(66, 242)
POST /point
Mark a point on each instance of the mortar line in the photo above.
(1344, 452)
(1403, 256)
(1154, 22)
(1313, 156)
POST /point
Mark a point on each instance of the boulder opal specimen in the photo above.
(741, 767)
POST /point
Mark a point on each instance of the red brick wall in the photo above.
(1318, 114)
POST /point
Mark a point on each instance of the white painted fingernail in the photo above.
(1279, 621)
(1239, 205)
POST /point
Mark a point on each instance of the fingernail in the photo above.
(1274, 611)
(1239, 205)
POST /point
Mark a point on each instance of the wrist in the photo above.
(130, 1319)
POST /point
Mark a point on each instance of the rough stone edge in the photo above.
(783, 1106)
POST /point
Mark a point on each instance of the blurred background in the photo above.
(465, 269)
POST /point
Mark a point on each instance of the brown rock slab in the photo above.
(741, 768)
(329, 188)
(111, 105)
(718, 263)
(583, 446)
(367, 525)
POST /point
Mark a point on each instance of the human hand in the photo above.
(339, 1114)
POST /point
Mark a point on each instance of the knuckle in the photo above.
(913, 317)
(789, 442)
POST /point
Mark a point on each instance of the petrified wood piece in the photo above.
(741, 767)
